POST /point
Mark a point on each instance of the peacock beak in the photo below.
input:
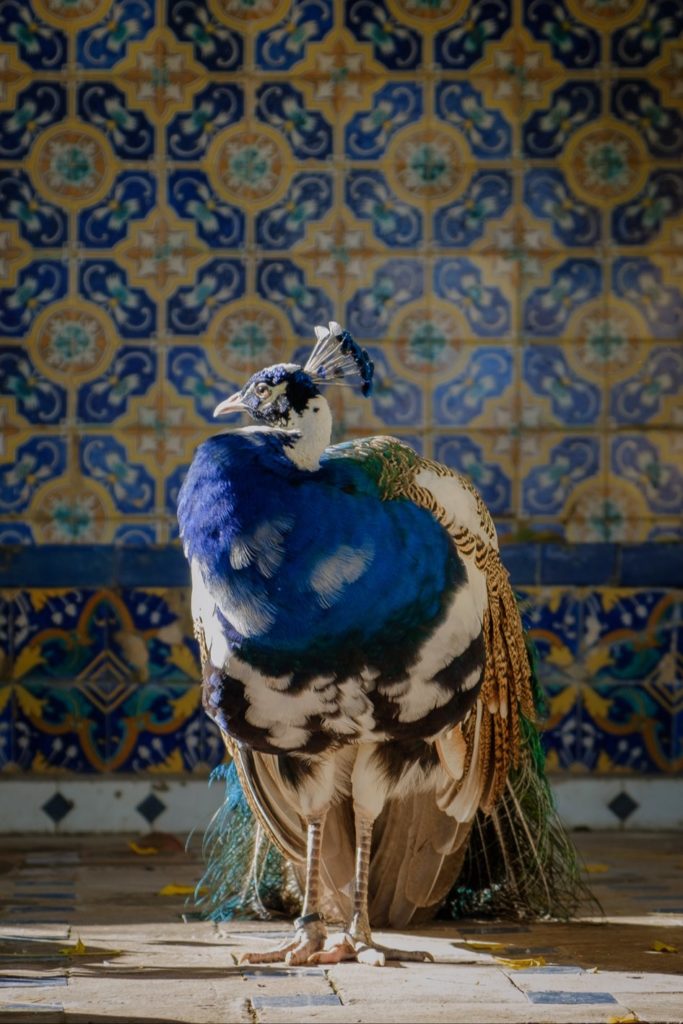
(233, 404)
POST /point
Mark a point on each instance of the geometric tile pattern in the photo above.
(611, 661)
(106, 681)
(489, 195)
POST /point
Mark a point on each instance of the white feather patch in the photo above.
(265, 546)
(457, 500)
(333, 574)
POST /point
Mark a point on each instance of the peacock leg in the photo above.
(310, 932)
(357, 942)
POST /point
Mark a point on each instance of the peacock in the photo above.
(364, 658)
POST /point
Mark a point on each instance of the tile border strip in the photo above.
(529, 564)
(121, 805)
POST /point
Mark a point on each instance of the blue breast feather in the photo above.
(328, 560)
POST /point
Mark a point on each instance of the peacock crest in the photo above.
(335, 356)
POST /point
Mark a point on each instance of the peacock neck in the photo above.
(314, 429)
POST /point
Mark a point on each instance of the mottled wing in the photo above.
(478, 754)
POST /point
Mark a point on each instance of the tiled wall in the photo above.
(488, 193)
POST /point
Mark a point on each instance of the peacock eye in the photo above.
(262, 390)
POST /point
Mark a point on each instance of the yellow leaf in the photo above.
(596, 869)
(182, 657)
(184, 706)
(28, 658)
(560, 656)
(30, 705)
(179, 890)
(485, 947)
(629, 1018)
(663, 947)
(522, 964)
(80, 949)
(142, 851)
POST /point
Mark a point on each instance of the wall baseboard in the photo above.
(72, 806)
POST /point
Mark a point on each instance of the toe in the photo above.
(371, 956)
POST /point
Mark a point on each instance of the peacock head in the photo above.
(288, 396)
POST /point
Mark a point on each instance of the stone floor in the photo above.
(87, 933)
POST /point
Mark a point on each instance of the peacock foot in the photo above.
(358, 944)
(308, 940)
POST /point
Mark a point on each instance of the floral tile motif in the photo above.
(37, 287)
(573, 106)
(368, 133)
(57, 727)
(282, 46)
(462, 44)
(643, 218)
(552, 466)
(154, 637)
(640, 42)
(631, 637)
(215, 45)
(628, 729)
(394, 222)
(561, 726)
(573, 43)
(39, 43)
(558, 393)
(41, 223)
(477, 457)
(62, 635)
(103, 45)
(483, 377)
(650, 393)
(190, 133)
(652, 464)
(398, 47)
(553, 619)
(159, 728)
(306, 202)
(573, 221)
(487, 197)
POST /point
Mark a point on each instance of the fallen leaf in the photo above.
(663, 947)
(80, 949)
(521, 965)
(630, 1018)
(142, 851)
(486, 947)
(179, 890)
(596, 869)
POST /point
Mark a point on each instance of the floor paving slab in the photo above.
(175, 970)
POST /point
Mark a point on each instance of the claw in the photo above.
(346, 947)
(307, 941)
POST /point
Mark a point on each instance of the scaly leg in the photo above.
(357, 942)
(311, 932)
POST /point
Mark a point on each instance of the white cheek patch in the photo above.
(333, 574)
